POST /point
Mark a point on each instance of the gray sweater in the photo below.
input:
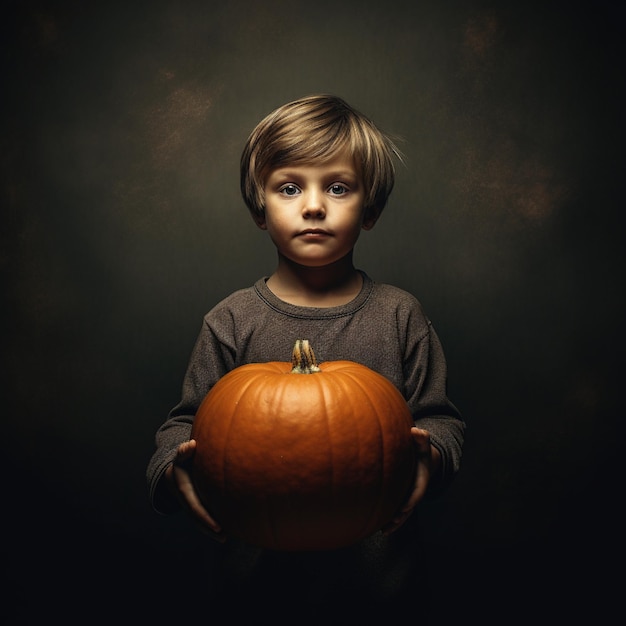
(383, 328)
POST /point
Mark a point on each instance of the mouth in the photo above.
(314, 232)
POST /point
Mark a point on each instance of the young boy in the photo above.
(314, 173)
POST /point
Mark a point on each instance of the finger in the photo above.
(201, 514)
(396, 522)
(421, 438)
(185, 451)
(191, 499)
(219, 537)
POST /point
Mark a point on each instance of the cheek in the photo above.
(349, 234)
(355, 223)
(276, 226)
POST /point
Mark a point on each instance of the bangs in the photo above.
(305, 142)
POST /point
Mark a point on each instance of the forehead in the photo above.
(341, 163)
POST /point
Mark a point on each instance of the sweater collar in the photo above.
(293, 310)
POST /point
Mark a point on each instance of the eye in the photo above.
(338, 189)
(289, 190)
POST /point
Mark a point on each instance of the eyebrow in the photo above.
(287, 173)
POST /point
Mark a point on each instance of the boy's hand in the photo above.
(421, 438)
(178, 476)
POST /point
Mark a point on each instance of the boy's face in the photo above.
(314, 213)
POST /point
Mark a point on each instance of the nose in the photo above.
(313, 206)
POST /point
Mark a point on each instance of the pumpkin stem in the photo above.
(303, 359)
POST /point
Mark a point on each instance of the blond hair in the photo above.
(314, 130)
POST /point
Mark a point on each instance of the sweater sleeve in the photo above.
(426, 378)
(210, 360)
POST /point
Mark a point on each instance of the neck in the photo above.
(326, 286)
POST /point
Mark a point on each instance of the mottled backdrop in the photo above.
(122, 223)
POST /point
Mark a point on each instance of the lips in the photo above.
(313, 232)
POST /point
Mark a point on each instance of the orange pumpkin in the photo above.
(296, 456)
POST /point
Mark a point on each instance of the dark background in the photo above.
(122, 224)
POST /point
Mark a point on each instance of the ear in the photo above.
(370, 218)
(259, 220)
